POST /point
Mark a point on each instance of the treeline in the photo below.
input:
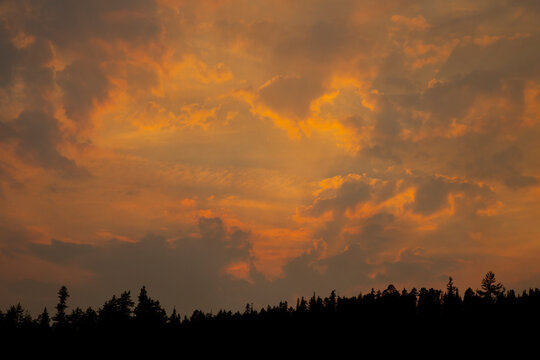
(390, 310)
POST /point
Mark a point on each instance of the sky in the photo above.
(226, 152)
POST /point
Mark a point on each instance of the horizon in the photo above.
(479, 292)
(257, 306)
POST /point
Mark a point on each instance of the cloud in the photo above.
(62, 252)
(435, 193)
(290, 96)
(6, 132)
(350, 146)
(14, 235)
(505, 165)
(58, 68)
(190, 269)
(71, 24)
(83, 83)
(9, 60)
(350, 192)
(380, 215)
(38, 135)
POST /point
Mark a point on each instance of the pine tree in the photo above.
(60, 318)
(44, 321)
(149, 312)
(116, 312)
(451, 290)
(174, 321)
(491, 290)
(451, 300)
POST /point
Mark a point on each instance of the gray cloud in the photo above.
(477, 157)
(350, 193)
(61, 252)
(189, 271)
(13, 235)
(506, 165)
(38, 135)
(290, 95)
(34, 38)
(71, 24)
(82, 83)
(431, 196)
(350, 273)
(9, 60)
(6, 132)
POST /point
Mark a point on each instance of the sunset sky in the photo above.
(222, 152)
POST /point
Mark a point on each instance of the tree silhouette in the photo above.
(429, 302)
(60, 318)
(174, 321)
(428, 313)
(451, 299)
(148, 312)
(451, 290)
(44, 321)
(491, 290)
(16, 317)
(330, 302)
(89, 320)
(116, 312)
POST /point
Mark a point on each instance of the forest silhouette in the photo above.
(377, 317)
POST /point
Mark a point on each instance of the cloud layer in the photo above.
(221, 152)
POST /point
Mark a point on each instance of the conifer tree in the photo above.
(491, 289)
(44, 321)
(149, 312)
(451, 299)
(60, 318)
